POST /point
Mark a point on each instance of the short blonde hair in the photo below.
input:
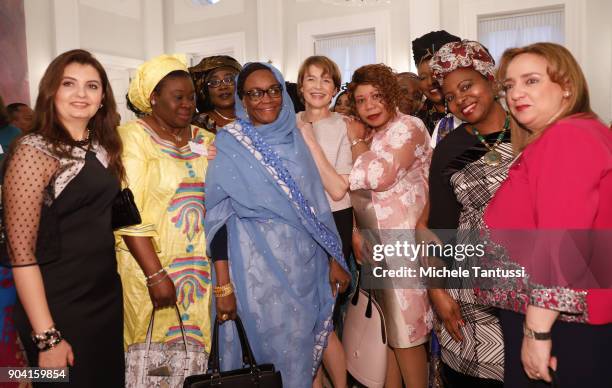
(563, 69)
(328, 66)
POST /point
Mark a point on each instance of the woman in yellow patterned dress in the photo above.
(162, 261)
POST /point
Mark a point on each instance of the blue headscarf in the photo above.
(281, 130)
(278, 247)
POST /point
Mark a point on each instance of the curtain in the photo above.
(501, 32)
(349, 51)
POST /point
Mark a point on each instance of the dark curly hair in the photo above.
(381, 77)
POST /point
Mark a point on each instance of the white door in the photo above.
(120, 71)
(120, 82)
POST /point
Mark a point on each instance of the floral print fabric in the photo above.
(395, 171)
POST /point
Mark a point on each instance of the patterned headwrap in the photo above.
(201, 71)
(428, 44)
(148, 76)
(459, 55)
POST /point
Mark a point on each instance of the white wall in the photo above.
(116, 33)
(299, 11)
(40, 41)
(140, 29)
(184, 21)
(597, 63)
(114, 30)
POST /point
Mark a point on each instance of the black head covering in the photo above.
(429, 43)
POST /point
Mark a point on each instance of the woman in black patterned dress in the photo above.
(59, 186)
(467, 167)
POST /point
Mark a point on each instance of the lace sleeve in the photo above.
(27, 175)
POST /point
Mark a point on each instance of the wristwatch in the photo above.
(540, 336)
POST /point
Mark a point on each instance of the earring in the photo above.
(566, 94)
(101, 105)
(153, 102)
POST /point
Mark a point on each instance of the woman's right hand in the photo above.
(448, 310)
(163, 294)
(60, 356)
(226, 305)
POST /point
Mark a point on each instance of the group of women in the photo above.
(263, 220)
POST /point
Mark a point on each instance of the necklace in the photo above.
(177, 137)
(493, 157)
(84, 141)
(224, 117)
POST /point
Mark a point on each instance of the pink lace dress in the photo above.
(393, 174)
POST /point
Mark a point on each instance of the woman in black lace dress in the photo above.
(59, 185)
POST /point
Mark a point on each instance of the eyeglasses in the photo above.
(376, 97)
(257, 94)
(215, 83)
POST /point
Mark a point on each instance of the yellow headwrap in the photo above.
(148, 76)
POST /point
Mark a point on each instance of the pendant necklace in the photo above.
(177, 137)
(493, 157)
(84, 141)
(230, 119)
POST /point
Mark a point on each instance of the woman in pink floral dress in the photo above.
(392, 173)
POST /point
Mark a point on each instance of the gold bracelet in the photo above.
(224, 290)
(356, 141)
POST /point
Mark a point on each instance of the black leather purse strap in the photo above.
(355, 298)
(248, 359)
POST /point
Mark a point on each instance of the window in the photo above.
(350, 51)
(498, 33)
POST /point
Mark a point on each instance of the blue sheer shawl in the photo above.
(265, 187)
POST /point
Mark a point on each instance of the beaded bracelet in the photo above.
(47, 339)
(156, 273)
(158, 281)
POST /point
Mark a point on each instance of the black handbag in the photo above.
(252, 375)
(125, 212)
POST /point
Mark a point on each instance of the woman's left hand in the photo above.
(338, 278)
(536, 358)
(307, 132)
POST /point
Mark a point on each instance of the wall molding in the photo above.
(185, 11)
(117, 62)
(380, 21)
(212, 45)
(66, 24)
(574, 13)
(270, 40)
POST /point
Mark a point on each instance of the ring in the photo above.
(224, 317)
